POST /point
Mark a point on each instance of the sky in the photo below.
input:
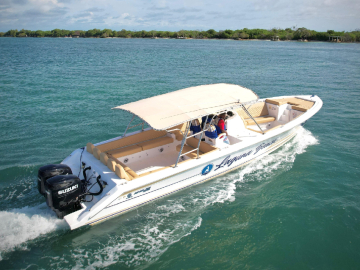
(319, 15)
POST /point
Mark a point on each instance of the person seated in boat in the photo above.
(209, 118)
(211, 131)
(195, 126)
(221, 126)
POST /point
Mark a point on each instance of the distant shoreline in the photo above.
(288, 34)
(256, 39)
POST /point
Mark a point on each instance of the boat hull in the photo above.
(220, 165)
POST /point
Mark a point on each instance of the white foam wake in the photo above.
(282, 159)
(20, 225)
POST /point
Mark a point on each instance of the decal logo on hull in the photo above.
(143, 190)
(207, 169)
(228, 161)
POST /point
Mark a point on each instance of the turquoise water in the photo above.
(298, 208)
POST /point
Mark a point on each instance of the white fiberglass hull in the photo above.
(131, 198)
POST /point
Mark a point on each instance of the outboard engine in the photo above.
(48, 171)
(64, 191)
(63, 194)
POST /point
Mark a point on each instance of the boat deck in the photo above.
(165, 159)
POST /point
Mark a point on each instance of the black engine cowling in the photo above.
(63, 193)
(48, 171)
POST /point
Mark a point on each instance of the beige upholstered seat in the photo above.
(125, 151)
(277, 102)
(258, 111)
(129, 171)
(96, 153)
(186, 149)
(120, 172)
(104, 158)
(155, 143)
(191, 144)
(204, 147)
(299, 104)
(90, 147)
(111, 164)
(299, 108)
(133, 139)
(259, 120)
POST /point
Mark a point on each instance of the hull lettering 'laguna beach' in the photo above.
(185, 138)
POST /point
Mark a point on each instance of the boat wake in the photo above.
(17, 226)
(139, 240)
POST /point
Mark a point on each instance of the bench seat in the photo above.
(259, 120)
(133, 149)
(155, 143)
(191, 144)
(132, 139)
(125, 151)
(298, 103)
(186, 149)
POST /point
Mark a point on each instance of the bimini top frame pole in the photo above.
(252, 118)
(197, 149)
(128, 126)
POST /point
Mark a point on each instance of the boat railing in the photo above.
(187, 129)
(252, 118)
(197, 149)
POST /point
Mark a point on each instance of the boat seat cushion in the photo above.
(299, 108)
(302, 104)
(125, 151)
(104, 158)
(259, 120)
(275, 102)
(132, 139)
(96, 153)
(121, 173)
(204, 147)
(111, 164)
(90, 147)
(155, 143)
(256, 110)
(186, 149)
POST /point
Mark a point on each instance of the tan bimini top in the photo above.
(171, 109)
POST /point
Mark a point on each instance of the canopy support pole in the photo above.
(183, 142)
(252, 118)
(129, 125)
(201, 135)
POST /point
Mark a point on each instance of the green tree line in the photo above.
(283, 34)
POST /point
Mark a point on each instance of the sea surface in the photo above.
(297, 208)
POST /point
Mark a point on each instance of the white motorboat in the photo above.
(173, 152)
